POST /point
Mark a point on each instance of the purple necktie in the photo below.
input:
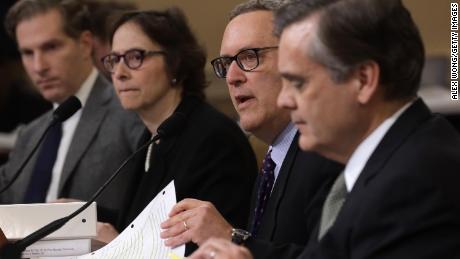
(264, 190)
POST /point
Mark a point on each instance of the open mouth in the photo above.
(242, 99)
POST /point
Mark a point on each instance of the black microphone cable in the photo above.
(169, 127)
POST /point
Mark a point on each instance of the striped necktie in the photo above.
(264, 190)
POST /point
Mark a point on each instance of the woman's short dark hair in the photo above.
(102, 15)
(351, 32)
(185, 58)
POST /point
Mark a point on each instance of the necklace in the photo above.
(147, 158)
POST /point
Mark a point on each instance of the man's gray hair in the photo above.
(256, 5)
(350, 33)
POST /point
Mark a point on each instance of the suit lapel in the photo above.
(91, 119)
(24, 178)
(42, 125)
(268, 225)
(407, 123)
(404, 126)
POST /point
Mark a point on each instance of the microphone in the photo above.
(68, 108)
(171, 126)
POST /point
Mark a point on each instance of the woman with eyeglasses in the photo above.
(157, 68)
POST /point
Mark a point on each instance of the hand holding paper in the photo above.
(202, 219)
(141, 239)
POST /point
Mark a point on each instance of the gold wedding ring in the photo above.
(185, 225)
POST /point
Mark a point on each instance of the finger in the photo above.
(207, 251)
(185, 204)
(177, 219)
(99, 225)
(181, 239)
(219, 244)
(175, 230)
(199, 254)
(106, 229)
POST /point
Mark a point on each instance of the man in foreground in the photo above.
(351, 70)
(292, 184)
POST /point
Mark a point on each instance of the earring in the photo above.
(174, 81)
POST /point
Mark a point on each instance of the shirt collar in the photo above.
(281, 145)
(362, 153)
(83, 93)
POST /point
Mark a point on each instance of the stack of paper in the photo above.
(141, 239)
(74, 238)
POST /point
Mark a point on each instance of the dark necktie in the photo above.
(264, 190)
(41, 176)
(332, 205)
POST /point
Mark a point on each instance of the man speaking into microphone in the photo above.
(78, 155)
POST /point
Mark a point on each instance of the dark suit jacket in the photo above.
(105, 135)
(294, 205)
(405, 202)
(209, 159)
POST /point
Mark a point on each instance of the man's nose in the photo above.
(235, 75)
(40, 63)
(285, 99)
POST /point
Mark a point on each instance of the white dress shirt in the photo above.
(363, 152)
(68, 129)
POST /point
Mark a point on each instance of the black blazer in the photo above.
(405, 202)
(294, 205)
(210, 159)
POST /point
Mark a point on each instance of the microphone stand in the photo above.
(62, 113)
(14, 250)
(169, 127)
(19, 171)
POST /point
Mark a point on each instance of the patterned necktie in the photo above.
(41, 176)
(264, 190)
(333, 204)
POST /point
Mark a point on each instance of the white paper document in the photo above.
(141, 239)
(57, 248)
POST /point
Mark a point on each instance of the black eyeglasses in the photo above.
(133, 58)
(247, 60)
